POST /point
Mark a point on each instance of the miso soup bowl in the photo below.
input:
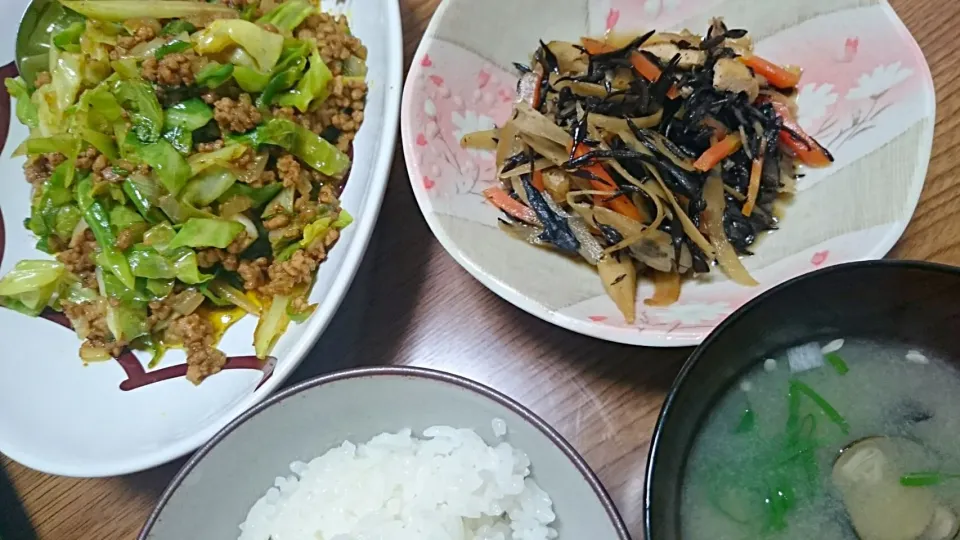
(914, 303)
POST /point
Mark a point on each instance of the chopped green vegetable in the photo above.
(143, 193)
(837, 362)
(191, 114)
(99, 222)
(263, 47)
(66, 221)
(926, 478)
(160, 288)
(175, 46)
(222, 157)
(33, 146)
(185, 265)
(250, 80)
(280, 81)
(288, 15)
(271, 325)
(181, 139)
(177, 27)
(303, 143)
(26, 109)
(173, 170)
(343, 221)
(123, 10)
(159, 236)
(799, 387)
(258, 196)
(214, 75)
(747, 421)
(139, 99)
(122, 217)
(68, 39)
(314, 86)
(29, 287)
(208, 186)
(147, 262)
(201, 232)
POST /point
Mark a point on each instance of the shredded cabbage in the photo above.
(122, 10)
(139, 99)
(172, 169)
(208, 186)
(273, 322)
(288, 15)
(26, 109)
(314, 86)
(263, 47)
(204, 232)
(30, 286)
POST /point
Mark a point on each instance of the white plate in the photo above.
(62, 417)
(866, 92)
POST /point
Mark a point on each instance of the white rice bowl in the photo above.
(447, 485)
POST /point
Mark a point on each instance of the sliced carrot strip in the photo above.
(650, 71)
(538, 181)
(718, 152)
(595, 46)
(756, 173)
(537, 90)
(776, 75)
(499, 198)
(603, 181)
(647, 69)
(806, 148)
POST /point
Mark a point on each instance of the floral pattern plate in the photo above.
(64, 417)
(866, 93)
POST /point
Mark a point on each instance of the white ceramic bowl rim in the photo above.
(411, 372)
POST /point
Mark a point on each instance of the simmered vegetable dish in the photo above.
(657, 155)
(186, 160)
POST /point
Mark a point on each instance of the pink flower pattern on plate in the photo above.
(450, 109)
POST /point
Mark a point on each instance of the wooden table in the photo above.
(604, 398)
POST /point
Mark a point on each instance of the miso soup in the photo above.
(861, 442)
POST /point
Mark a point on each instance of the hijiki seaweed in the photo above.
(662, 153)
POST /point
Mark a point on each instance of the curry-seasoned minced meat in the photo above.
(254, 273)
(197, 335)
(177, 69)
(339, 117)
(38, 169)
(333, 36)
(284, 277)
(79, 257)
(89, 320)
(142, 33)
(238, 116)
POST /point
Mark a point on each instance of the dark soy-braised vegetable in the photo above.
(674, 150)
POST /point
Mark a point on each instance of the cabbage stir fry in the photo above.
(658, 155)
(186, 161)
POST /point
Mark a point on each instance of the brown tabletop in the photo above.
(412, 304)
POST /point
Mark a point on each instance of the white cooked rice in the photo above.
(448, 485)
